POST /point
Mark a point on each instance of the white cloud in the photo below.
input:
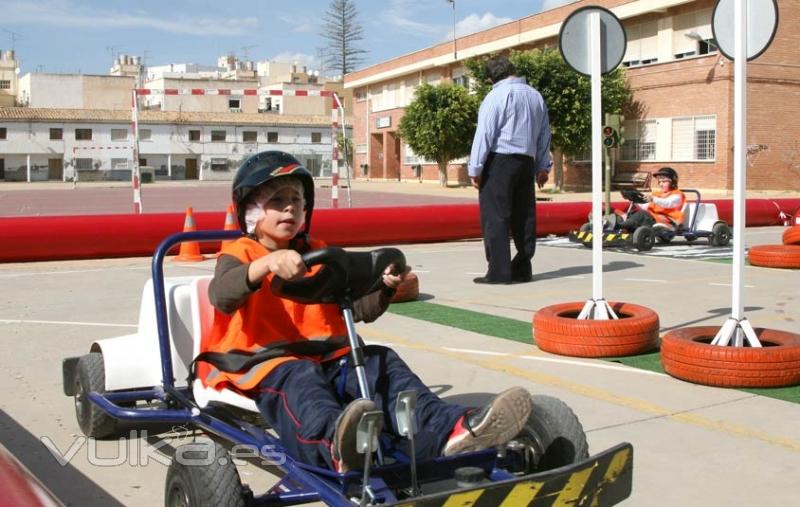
(399, 14)
(474, 23)
(298, 25)
(64, 13)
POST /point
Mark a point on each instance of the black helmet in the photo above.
(264, 166)
(669, 173)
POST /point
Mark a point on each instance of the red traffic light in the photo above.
(607, 131)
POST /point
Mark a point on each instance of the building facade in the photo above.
(52, 144)
(681, 113)
(8, 78)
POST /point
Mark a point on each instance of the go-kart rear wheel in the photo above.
(720, 234)
(643, 238)
(90, 376)
(202, 474)
(553, 435)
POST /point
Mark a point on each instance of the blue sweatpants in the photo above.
(301, 401)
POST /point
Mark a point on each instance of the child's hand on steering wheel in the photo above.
(393, 280)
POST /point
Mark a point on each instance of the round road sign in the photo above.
(573, 40)
(762, 23)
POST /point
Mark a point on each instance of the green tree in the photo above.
(567, 95)
(345, 146)
(341, 30)
(440, 123)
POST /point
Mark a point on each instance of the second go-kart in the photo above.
(133, 378)
(701, 221)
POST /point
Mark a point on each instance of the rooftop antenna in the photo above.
(14, 37)
(114, 53)
(244, 50)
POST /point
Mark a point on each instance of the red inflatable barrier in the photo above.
(98, 236)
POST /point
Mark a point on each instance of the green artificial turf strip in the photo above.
(520, 331)
(501, 327)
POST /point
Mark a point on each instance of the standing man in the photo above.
(510, 151)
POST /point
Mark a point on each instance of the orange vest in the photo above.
(671, 216)
(265, 319)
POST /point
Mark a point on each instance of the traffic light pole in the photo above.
(608, 179)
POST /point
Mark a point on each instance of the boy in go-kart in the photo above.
(296, 392)
(664, 206)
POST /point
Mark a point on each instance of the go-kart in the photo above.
(133, 378)
(700, 221)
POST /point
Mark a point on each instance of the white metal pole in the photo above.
(739, 140)
(28, 167)
(597, 158)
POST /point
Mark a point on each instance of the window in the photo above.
(119, 163)
(272, 137)
(145, 134)
(5, 84)
(249, 136)
(316, 137)
(194, 135)
(360, 95)
(84, 164)
(462, 80)
(642, 48)
(119, 134)
(219, 164)
(3, 133)
(218, 136)
(235, 105)
(56, 134)
(83, 134)
(694, 138)
(361, 148)
(640, 140)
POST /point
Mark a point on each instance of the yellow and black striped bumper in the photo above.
(603, 479)
(610, 239)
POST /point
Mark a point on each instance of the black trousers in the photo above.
(637, 219)
(508, 203)
(302, 399)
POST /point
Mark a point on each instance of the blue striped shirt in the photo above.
(512, 120)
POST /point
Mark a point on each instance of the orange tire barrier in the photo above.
(408, 290)
(687, 354)
(775, 256)
(190, 250)
(556, 329)
(791, 236)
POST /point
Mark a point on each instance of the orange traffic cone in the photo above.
(230, 225)
(190, 250)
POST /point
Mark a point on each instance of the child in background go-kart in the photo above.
(663, 206)
(297, 394)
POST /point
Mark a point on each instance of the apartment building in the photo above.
(38, 144)
(9, 67)
(682, 109)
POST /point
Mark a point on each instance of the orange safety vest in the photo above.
(670, 216)
(265, 319)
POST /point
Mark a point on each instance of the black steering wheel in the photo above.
(343, 275)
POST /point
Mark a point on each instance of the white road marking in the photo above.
(67, 272)
(478, 352)
(64, 322)
(729, 285)
(629, 369)
(474, 273)
(645, 280)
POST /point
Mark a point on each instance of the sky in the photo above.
(71, 36)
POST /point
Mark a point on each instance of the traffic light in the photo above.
(609, 137)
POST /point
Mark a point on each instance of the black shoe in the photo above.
(522, 279)
(487, 280)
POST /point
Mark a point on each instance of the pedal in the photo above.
(369, 426)
(407, 427)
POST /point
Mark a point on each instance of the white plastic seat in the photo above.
(202, 322)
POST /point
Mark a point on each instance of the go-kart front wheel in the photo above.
(643, 238)
(720, 234)
(202, 474)
(90, 376)
(553, 435)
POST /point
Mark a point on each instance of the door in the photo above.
(2, 168)
(55, 169)
(191, 168)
